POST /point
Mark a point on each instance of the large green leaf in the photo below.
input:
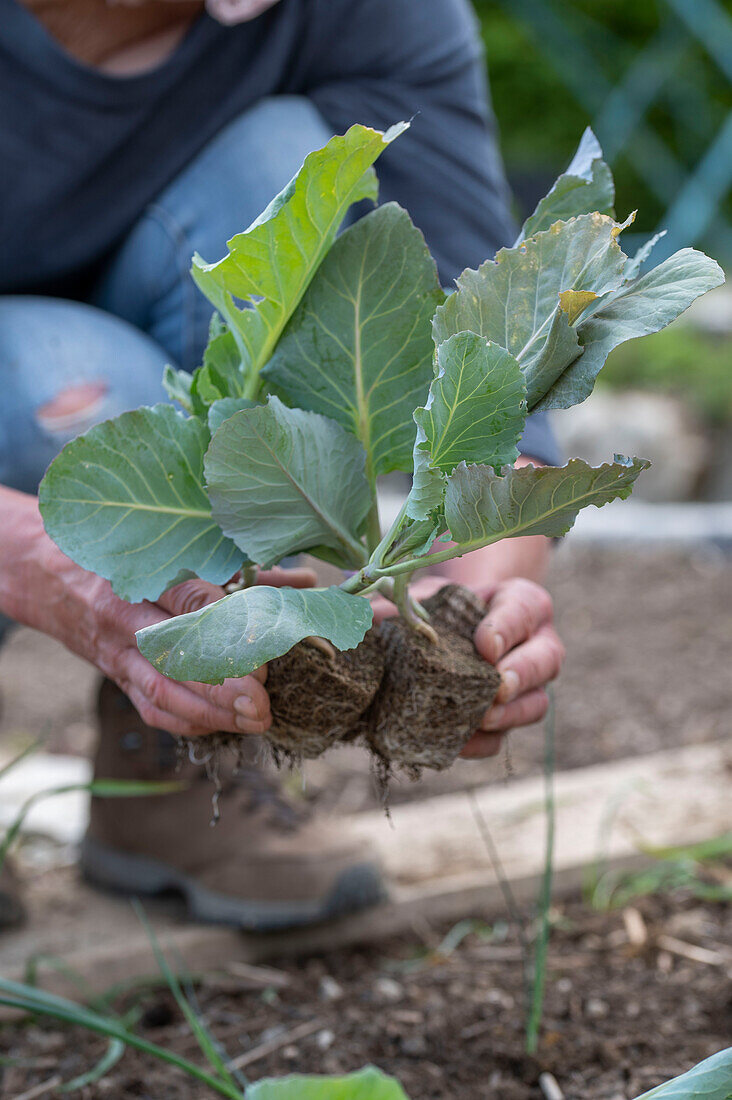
(585, 187)
(224, 407)
(476, 407)
(709, 1080)
(514, 300)
(482, 507)
(428, 485)
(241, 632)
(359, 347)
(270, 265)
(640, 307)
(367, 1084)
(283, 480)
(126, 500)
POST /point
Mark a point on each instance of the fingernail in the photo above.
(500, 645)
(509, 685)
(245, 707)
(493, 718)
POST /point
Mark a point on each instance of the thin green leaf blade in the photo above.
(241, 632)
(585, 187)
(367, 1084)
(115, 1050)
(297, 229)
(709, 1080)
(482, 507)
(283, 480)
(639, 308)
(476, 408)
(514, 300)
(359, 347)
(127, 501)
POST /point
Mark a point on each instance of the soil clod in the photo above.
(317, 700)
(432, 696)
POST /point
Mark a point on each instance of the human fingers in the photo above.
(482, 744)
(517, 610)
(179, 709)
(189, 596)
(531, 665)
(279, 577)
(243, 695)
(524, 711)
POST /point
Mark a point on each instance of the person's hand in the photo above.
(44, 589)
(517, 635)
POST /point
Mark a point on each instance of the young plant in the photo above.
(348, 361)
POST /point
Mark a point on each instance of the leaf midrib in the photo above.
(550, 513)
(133, 505)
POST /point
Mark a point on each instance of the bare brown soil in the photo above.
(318, 698)
(433, 695)
(619, 1019)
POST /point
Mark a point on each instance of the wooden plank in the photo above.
(435, 860)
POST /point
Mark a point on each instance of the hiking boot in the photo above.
(265, 866)
(12, 911)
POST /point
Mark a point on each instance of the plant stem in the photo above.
(377, 554)
(411, 612)
(541, 948)
(373, 525)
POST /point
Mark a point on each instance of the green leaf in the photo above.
(359, 347)
(222, 374)
(709, 1080)
(640, 307)
(368, 1084)
(126, 500)
(514, 300)
(225, 407)
(634, 264)
(482, 507)
(271, 264)
(283, 480)
(476, 407)
(585, 187)
(241, 632)
(177, 384)
(428, 485)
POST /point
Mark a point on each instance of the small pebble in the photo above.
(329, 989)
(324, 1039)
(388, 990)
(415, 1046)
(596, 1009)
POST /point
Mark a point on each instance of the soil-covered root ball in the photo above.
(433, 696)
(317, 698)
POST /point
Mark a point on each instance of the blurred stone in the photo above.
(329, 989)
(324, 1039)
(386, 989)
(654, 426)
(415, 1046)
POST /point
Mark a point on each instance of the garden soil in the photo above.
(448, 1023)
(647, 634)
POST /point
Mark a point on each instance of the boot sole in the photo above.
(358, 887)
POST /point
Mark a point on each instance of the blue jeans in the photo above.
(145, 310)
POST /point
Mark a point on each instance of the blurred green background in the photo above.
(654, 79)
